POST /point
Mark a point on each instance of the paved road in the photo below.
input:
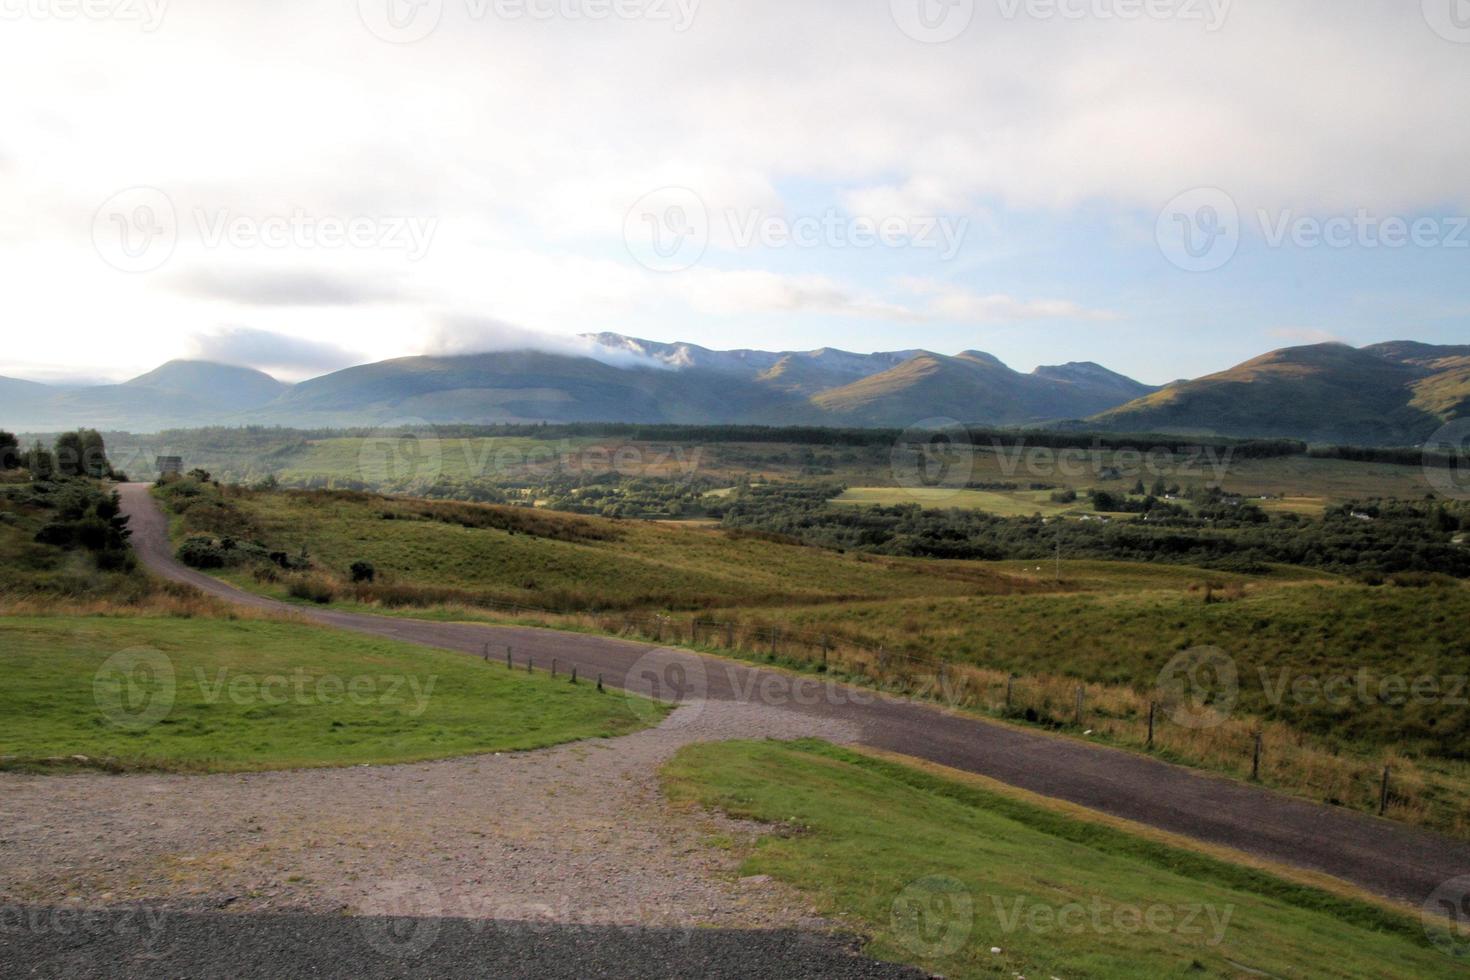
(46, 942)
(1389, 859)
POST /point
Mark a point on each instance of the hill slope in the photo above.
(976, 387)
(1394, 393)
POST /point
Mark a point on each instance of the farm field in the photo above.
(1111, 626)
(1020, 503)
(209, 695)
(970, 883)
(559, 561)
(381, 461)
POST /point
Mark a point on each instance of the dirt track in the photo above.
(1389, 859)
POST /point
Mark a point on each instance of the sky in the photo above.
(1166, 187)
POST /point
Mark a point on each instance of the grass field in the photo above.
(1017, 503)
(969, 883)
(214, 695)
(244, 456)
(564, 562)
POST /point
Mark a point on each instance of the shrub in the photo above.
(314, 588)
(201, 552)
(363, 571)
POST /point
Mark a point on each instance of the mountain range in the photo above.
(1392, 393)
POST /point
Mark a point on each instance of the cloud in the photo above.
(283, 288)
(274, 353)
(457, 335)
(947, 302)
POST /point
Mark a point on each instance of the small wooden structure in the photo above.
(169, 465)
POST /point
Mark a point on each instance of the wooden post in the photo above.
(553, 666)
(1383, 793)
(574, 673)
(1079, 705)
(1151, 708)
(508, 664)
(1010, 682)
(1256, 761)
(530, 664)
(599, 683)
(826, 645)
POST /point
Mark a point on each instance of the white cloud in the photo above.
(528, 141)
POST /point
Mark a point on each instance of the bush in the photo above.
(201, 552)
(313, 588)
(363, 571)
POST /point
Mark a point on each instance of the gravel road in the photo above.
(1387, 858)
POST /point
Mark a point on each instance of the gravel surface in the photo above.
(43, 943)
(1391, 859)
(578, 834)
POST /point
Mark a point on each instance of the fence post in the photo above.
(599, 683)
(1256, 761)
(553, 666)
(574, 673)
(1383, 794)
(508, 664)
(487, 653)
(1010, 681)
(1079, 705)
(825, 646)
(530, 664)
(1151, 707)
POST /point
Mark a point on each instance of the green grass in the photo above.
(1124, 634)
(249, 695)
(935, 871)
(1017, 503)
(560, 561)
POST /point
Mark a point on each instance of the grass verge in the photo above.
(941, 873)
(201, 695)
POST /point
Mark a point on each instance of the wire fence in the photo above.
(1270, 752)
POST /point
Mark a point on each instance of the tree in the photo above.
(82, 453)
(9, 451)
(40, 462)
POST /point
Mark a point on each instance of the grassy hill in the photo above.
(1323, 392)
(975, 387)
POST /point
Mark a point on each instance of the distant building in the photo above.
(169, 465)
